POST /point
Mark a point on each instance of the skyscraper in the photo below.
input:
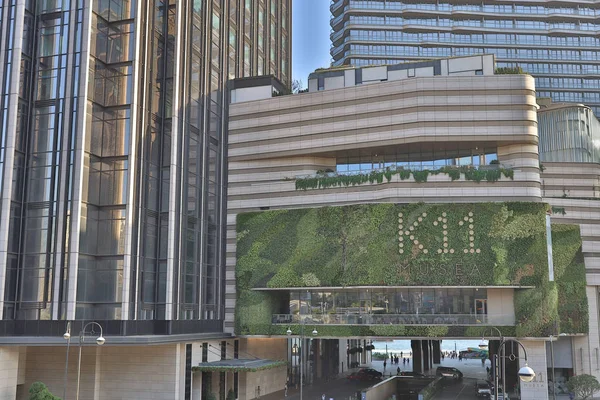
(113, 162)
(554, 42)
(112, 151)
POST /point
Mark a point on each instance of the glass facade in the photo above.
(387, 301)
(113, 151)
(568, 133)
(415, 157)
(384, 306)
(555, 42)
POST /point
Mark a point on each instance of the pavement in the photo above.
(469, 368)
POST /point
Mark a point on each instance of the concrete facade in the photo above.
(274, 140)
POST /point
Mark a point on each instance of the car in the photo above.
(412, 374)
(449, 372)
(484, 389)
(365, 374)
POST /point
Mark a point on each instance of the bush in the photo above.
(584, 386)
(39, 391)
(230, 395)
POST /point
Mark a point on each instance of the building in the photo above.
(554, 42)
(112, 202)
(568, 133)
(371, 207)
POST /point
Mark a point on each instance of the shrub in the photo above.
(584, 386)
(39, 391)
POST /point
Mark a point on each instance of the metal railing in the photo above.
(394, 319)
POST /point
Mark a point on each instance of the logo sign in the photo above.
(408, 240)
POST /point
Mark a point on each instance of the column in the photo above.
(436, 352)
(538, 388)
(418, 365)
(9, 367)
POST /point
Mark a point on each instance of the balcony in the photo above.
(393, 319)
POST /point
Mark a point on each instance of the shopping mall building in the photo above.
(424, 201)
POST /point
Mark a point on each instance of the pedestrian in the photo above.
(285, 389)
(398, 370)
(401, 354)
(384, 364)
(460, 357)
(482, 362)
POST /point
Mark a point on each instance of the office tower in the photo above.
(113, 121)
(113, 163)
(554, 42)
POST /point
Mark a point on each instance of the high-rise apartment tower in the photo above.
(556, 42)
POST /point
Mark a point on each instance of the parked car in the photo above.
(484, 389)
(412, 374)
(365, 374)
(449, 372)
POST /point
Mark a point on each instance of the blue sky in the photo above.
(310, 37)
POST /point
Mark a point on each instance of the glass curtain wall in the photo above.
(155, 160)
(38, 141)
(387, 301)
(153, 164)
(106, 162)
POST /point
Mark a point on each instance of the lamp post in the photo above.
(552, 358)
(67, 337)
(526, 374)
(289, 333)
(495, 360)
(99, 341)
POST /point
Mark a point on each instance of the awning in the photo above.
(239, 365)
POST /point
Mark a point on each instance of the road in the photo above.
(339, 389)
(463, 390)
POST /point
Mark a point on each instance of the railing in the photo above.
(394, 319)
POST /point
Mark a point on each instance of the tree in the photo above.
(39, 391)
(297, 86)
(584, 386)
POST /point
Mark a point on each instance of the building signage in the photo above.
(440, 244)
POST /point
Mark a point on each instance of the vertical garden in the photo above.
(483, 244)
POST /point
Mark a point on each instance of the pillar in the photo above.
(437, 351)
(426, 354)
(538, 388)
(9, 367)
(417, 358)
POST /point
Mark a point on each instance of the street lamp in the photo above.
(289, 333)
(99, 341)
(526, 373)
(552, 358)
(67, 337)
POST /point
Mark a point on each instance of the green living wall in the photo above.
(483, 244)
